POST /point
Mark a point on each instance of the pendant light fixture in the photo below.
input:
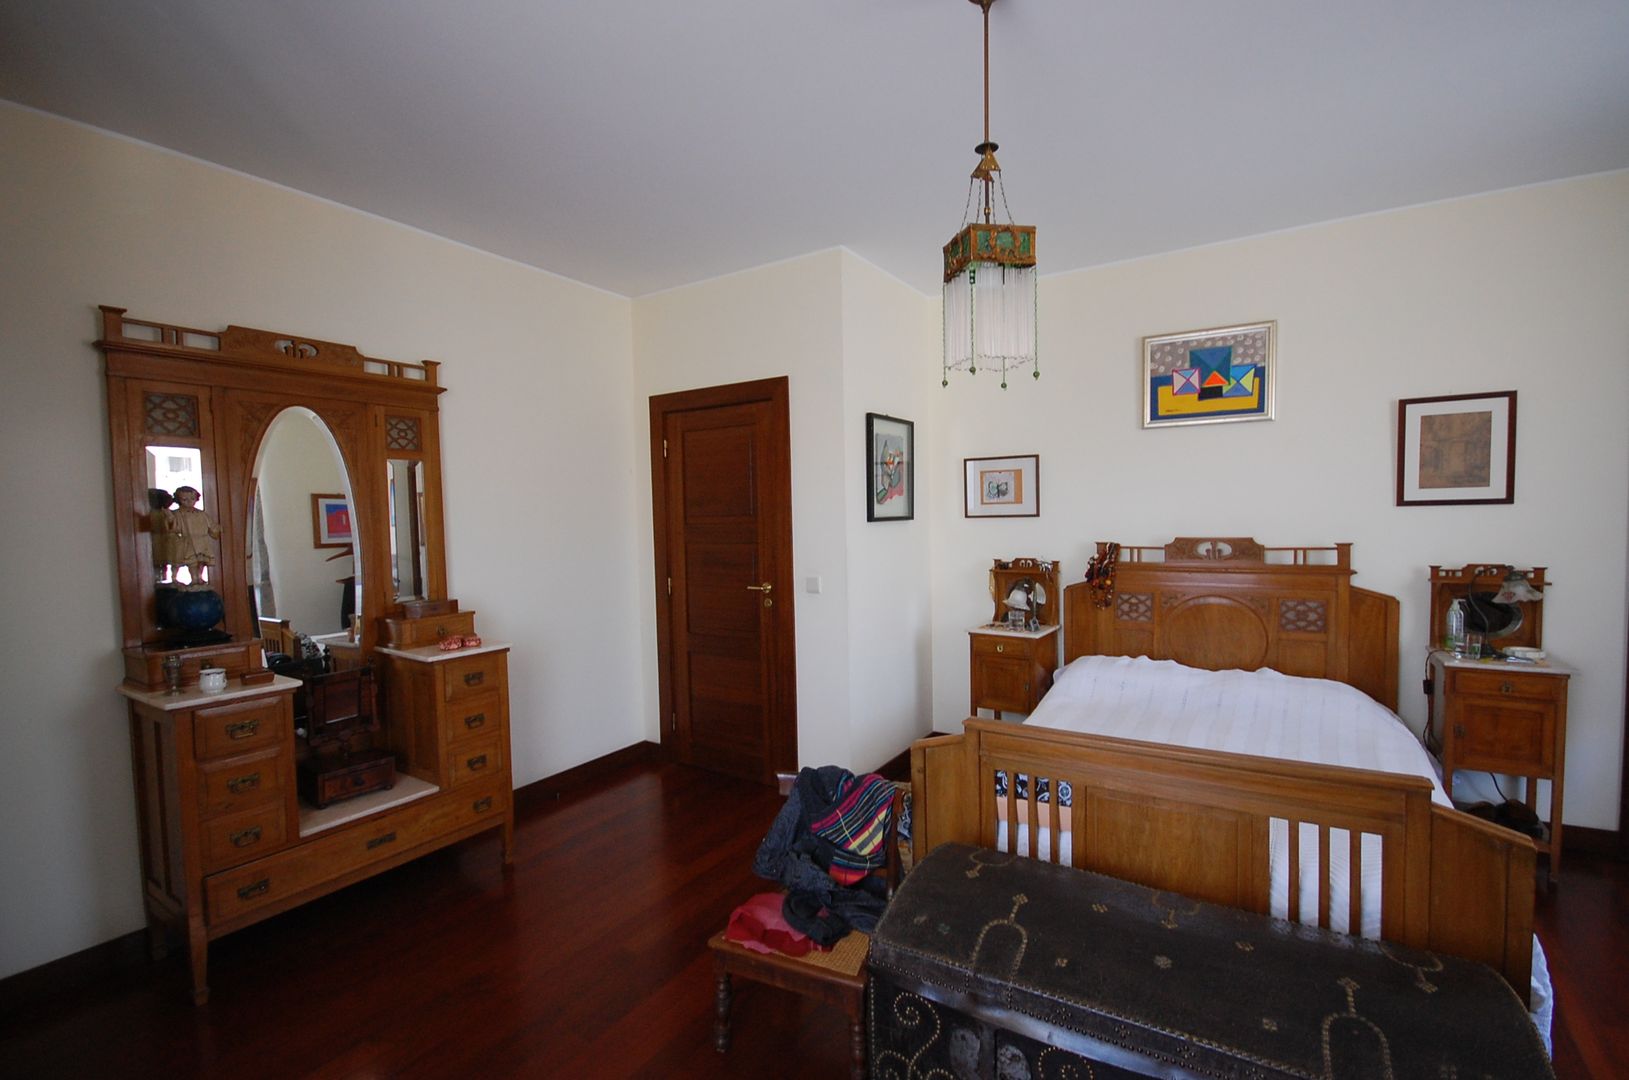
(989, 298)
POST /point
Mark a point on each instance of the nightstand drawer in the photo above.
(1523, 684)
(995, 645)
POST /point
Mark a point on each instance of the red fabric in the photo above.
(759, 925)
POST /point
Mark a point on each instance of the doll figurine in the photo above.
(192, 537)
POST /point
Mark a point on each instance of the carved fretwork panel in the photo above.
(402, 433)
(1214, 549)
(173, 415)
(1134, 607)
(1303, 616)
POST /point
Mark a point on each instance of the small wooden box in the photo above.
(325, 780)
(145, 666)
(407, 633)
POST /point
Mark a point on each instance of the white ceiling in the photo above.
(642, 144)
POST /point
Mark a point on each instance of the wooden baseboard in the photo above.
(580, 776)
(100, 965)
(1594, 841)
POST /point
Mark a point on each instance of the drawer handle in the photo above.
(475, 678)
(239, 784)
(243, 729)
(256, 889)
(245, 837)
(476, 763)
(381, 841)
(482, 805)
(1506, 688)
(1001, 648)
(1459, 731)
(475, 721)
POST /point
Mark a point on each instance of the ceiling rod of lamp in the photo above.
(989, 293)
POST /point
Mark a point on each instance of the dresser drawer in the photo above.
(248, 834)
(474, 718)
(238, 783)
(475, 759)
(1521, 684)
(236, 893)
(472, 676)
(240, 726)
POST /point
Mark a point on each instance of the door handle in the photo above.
(764, 588)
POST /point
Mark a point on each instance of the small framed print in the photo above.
(890, 470)
(1003, 486)
(1456, 450)
(331, 521)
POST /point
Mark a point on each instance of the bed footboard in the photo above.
(1201, 823)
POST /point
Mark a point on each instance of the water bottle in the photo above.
(1456, 628)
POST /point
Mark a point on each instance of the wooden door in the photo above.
(721, 483)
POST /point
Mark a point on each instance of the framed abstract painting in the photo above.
(1456, 450)
(890, 472)
(1003, 486)
(1210, 376)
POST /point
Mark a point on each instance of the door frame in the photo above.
(782, 753)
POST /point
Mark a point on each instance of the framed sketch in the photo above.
(1210, 376)
(1003, 486)
(331, 521)
(890, 468)
(1456, 450)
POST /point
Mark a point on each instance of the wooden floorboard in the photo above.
(588, 960)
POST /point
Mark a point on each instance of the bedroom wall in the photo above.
(889, 333)
(1521, 289)
(540, 375)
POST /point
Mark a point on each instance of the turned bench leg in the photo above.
(721, 1004)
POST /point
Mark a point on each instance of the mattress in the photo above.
(1264, 713)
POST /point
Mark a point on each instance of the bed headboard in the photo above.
(1230, 602)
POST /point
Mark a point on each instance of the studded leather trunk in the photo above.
(993, 965)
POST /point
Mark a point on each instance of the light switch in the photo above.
(813, 584)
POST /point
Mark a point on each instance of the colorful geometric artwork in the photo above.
(1210, 376)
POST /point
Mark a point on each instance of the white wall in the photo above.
(889, 331)
(1520, 290)
(540, 377)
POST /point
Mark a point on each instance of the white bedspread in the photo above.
(1244, 712)
(1270, 715)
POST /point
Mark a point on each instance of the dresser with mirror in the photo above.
(307, 705)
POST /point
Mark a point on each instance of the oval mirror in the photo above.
(304, 577)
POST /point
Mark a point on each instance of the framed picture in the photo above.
(890, 468)
(1003, 486)
(330, 521)
(1456, 450)
(1210, 376)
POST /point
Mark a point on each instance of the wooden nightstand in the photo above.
(1011, 669)
(1505, 718)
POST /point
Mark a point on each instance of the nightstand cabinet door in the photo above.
(1001, 682)
(1504, 735)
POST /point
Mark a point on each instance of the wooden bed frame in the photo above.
(1197, 822)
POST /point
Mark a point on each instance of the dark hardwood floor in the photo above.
(589, 960)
